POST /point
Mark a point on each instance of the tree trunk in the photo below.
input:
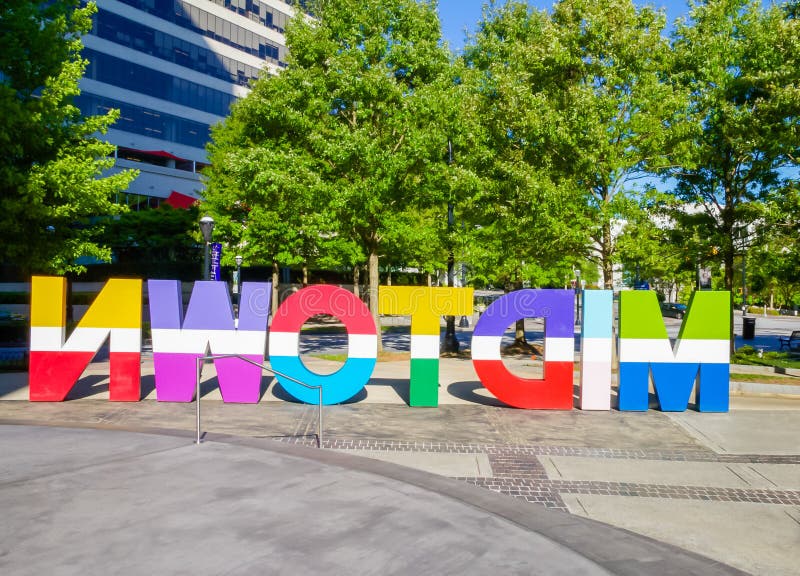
(519, 329)
(275, 284)
(356, 280)
(728, 254)
(389, 277)
(606, 249)
(728, 258)
(519, 333)
(374, 281)
(305, 274)
(430, 280)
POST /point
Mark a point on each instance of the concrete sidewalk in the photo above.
(92, 502)
(726, 486)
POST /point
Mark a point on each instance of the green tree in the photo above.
(50, 161)
(260, 189)
(525, 222)
(660, 249)
(349, 134)
(418, 239)
(740, 63)
(600, 76)
(775, 265)
(156, 240)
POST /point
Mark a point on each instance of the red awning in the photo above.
(178, 200)
(161, 153)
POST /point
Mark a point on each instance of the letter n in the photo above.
(702, 353)
(56, 365)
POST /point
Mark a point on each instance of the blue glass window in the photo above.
(119, 30)
(124, 74)
(147, 122)
(193, 18)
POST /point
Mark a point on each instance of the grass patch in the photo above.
(765, 379)
(749, 356)
(382, 357)
(385, 356)
(340, 329)
(395, 329)
(331, 357)
(324, 329)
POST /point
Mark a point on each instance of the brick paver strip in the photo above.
(517, 471)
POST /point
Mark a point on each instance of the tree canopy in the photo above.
(346, 143)
(560, 123)
(741, 64)
(50, 158)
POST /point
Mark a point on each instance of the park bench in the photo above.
(791, 342)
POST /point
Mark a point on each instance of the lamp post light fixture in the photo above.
(206, 229)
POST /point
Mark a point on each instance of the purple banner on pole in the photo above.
(216, 256)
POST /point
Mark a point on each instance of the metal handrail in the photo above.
(263, 367)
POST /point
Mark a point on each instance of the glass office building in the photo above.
(173, 68)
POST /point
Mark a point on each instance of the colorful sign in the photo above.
(700, 354)
(209, 325)
(362, 344)
(597, 343)
(702, 348)
(426, 306)
(554, 391)
(56, 363)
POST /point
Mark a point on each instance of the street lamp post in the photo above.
(742, 235)
(744, 282)
(450, 341)
(206, 229)
(237, 281)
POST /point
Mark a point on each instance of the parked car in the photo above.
(673, 309)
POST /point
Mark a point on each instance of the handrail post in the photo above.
(197, 395)
(319, 420)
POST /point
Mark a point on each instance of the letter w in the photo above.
(209, 324)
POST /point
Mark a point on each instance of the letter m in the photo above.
(702, 353)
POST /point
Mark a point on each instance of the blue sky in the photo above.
(456, 15)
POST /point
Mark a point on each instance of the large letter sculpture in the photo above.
(177, 343)
(703, 345)
(55, 365)
(284, 344)
(554, 391)
(426, 306)
(596, 349)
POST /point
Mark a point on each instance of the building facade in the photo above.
(173, 68)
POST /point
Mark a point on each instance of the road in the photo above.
(397, 339)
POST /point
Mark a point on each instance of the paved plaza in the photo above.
(468, 487)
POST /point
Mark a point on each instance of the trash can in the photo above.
(748, 328)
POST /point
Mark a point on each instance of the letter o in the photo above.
(362, 344)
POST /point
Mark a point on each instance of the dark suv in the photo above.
(673, 309)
